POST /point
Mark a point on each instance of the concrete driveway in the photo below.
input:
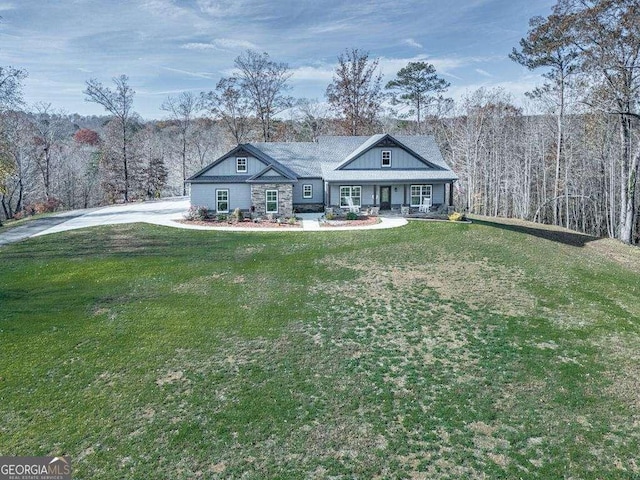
(162, 212)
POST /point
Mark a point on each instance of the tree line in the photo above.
(566, 155)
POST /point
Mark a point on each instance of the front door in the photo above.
(385, 198)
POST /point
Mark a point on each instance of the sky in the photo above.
(170, 46)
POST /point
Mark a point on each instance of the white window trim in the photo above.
(266, 201)
(304, 193)
(350, 187)
(238, 165)
(218, 200)
(382, 159)
(422, 196)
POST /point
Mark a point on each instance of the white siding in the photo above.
(204, 194)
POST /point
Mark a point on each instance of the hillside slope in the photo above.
(437, 350)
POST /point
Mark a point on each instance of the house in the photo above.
(382, 171)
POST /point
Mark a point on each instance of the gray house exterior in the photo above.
(282, 178)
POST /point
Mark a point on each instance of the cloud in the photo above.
(191, 74)
(322, 73)
(163, 8)
(411, 42)
(221, 8)
(484, 73)
(224, 44)
(232, 44)
(199, 46)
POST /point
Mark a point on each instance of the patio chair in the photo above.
(351, 206)
(425, 206)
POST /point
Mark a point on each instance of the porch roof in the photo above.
(404, 176)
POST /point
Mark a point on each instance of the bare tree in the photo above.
(230, 104)
(266, 83)
(545, 47)
(607, 35)
(119, 103)
(182, 109)
(50, 131)
(355, 92)
(10, 97)
(11, 87)
(311, 118)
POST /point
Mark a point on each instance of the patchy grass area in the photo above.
(436, 350)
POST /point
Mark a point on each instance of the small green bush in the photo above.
(330, 215)
(238, 215)
(222, 217)
(352, 216)
(292, 220)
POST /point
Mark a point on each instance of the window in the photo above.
(354, 192)
(386, 158)
(419, 193)
(272, 201)
(222, 201)
(241, 165)
(307, 191)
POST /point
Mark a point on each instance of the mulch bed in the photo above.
(243, 224)
(341, 222)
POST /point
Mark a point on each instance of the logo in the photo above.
(35, 468)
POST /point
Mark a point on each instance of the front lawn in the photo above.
(435, 350)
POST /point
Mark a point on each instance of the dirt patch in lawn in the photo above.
(479, 284)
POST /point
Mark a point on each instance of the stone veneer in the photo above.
(285, 198)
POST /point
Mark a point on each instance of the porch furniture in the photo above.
(351, 206)
(425, 206)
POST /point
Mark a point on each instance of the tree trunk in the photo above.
(124, 160)
(628, 210)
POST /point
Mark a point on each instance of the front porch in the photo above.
(403, 198)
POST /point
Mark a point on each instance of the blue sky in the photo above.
(169, 46)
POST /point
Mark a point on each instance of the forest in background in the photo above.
(567, 155)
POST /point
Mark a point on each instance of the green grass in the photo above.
(436, 350)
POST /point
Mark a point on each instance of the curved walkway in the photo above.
(164, 212)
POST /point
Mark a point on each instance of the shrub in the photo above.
(237, 215)
(292, 220)
(330, 215)
(456, 217)
(222, 217)
(352, 216)
(196, 212)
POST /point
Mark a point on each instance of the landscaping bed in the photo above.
(198, 215)
(347, 221)
(245, 223)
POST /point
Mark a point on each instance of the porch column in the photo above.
(375, 196)
(404, 194)
(451, 194)
(328, 194)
